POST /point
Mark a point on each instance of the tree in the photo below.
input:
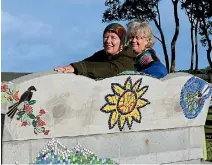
(189, 10)
(174, 39)
(201, 13)
(137, 9)
(189, 13)
(196, 46)
(204, 13)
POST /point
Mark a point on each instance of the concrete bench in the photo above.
(128, 118)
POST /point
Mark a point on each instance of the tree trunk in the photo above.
(209, 51)
(196, 47)
(163, 41)
(205, 32)
(173, 43)
(158, 25)
(209, 43)
(192, 48)
(163, 44)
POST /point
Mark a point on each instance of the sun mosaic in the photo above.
(125, 103)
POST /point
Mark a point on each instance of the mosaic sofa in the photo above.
(127, 118)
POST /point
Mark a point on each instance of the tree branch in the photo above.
(158, 38)
(158, 13)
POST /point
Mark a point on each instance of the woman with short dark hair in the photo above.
(112, 60)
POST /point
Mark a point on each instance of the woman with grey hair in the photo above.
(141, 40)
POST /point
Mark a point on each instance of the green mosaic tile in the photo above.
(56, 153)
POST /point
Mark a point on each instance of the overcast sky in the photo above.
(38, 35)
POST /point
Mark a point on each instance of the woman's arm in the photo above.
(104, 69)
(70, 69)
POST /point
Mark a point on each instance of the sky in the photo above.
(38, 35)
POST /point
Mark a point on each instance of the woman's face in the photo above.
(111, 42)
(138, 43)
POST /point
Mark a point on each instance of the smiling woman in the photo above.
(141, 40)
(112, 60)
(111, 42)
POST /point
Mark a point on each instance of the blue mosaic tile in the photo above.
(193, 96)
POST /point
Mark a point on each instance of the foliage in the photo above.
(201, 11)
(130, 9)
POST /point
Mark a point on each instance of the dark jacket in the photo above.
(103, 65)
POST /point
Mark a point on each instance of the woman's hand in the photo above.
(60, 69)
(65, 69)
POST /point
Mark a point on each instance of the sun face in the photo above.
(125, 103)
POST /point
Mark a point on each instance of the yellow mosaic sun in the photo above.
(125, 103)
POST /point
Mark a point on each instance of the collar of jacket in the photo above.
(112, 55)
